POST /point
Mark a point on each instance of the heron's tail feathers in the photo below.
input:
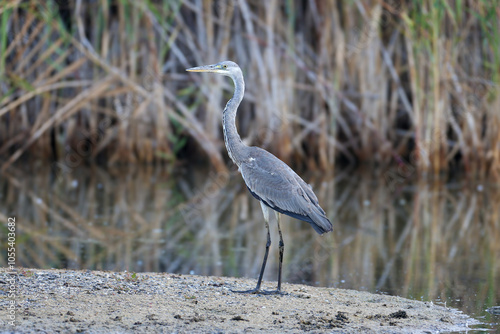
(319, 221)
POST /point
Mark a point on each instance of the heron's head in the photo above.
(227, 67)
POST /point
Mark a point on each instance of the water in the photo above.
(420, 239)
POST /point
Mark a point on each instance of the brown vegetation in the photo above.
(352, 81)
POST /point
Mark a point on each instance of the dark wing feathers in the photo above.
(271, 181)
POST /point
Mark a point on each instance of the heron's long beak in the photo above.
(206, 68)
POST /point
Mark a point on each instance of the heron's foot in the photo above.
(273, 292)
(261, 292)
(251, 291)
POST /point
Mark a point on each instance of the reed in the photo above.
(355, 82)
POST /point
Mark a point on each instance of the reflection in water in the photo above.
(426, 240)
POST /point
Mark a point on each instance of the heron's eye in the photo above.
(225, 66)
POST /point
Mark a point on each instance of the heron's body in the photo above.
(275, 184)
(269, 179)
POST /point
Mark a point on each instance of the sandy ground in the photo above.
(64, 301)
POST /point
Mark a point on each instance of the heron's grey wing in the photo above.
(307, 189)
(279, 187)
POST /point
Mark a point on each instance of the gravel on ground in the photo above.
(69, 301)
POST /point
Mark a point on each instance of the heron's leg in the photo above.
(268, 244)
(282, 249)
(265, 211)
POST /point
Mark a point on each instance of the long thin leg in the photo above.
(268, 244)
(282, 249)
(265, 211)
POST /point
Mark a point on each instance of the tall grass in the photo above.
(351, 82)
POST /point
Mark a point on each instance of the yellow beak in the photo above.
(207, 68)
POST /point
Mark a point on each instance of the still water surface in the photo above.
(420, 239)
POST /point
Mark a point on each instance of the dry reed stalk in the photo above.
(24, 59)
(66, 71)
(40, 90)
(63, 112)
(437, 128)
(22, 32)
(43, 146)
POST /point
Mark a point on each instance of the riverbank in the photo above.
(110, 302)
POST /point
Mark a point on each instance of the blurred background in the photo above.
(112, 156)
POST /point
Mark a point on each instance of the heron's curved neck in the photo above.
(234, 145)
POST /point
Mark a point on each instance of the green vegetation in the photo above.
(348, 82)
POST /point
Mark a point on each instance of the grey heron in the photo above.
(268, 178)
